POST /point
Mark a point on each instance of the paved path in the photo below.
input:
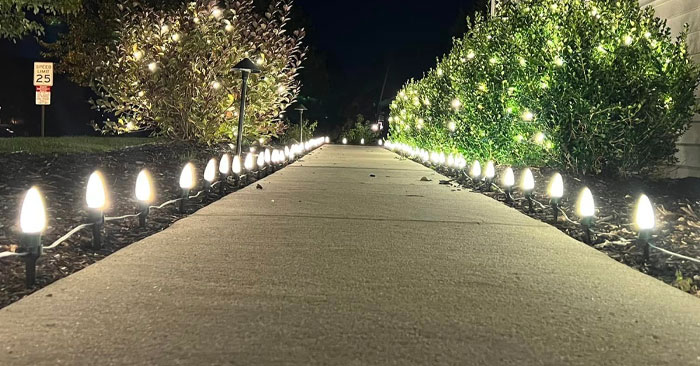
(327, 265)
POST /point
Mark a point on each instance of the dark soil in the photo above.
(62, 179)
(677, 203)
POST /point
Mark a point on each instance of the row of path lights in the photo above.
(33, 220)
(644, 219)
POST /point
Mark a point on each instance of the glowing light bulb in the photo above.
(138, 55)
(225, 164)
(144, 192)
(475, 172)
(345, 141)
(236, 165)
(585, 206)
(380, 142)
(528, 116)
(628, 40)
(539, 138)
(508, 178)
(210, 170)
(456, 103)
(490, 171)
(470, 54)
(556, 186)
(32, 217)
(286, 151)
(217, 12)
(187, 179)
(261, 160)
(267, 156)
(216, 85)
(327, 140)
(528, 183)
(152, 67)
(362, 141)
(95, 195)
(644, 214)
(375, 127)
(175, 37)
(452, 126)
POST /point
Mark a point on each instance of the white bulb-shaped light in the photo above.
(556, 186)
(286, 151)
(144, 191)
(225, 164)
(236, 165)
(380, 142)
(508, 178)
(187, 177)
(249, 163)
(268, 156)
(210, 170)
(585, 205)
(362, 141)
(345, 141)
(490, 170)
(261, 160)
(528, 183)
(644, 214)
(32, 217)
(95, 195)
(327, 139)
(475, 171)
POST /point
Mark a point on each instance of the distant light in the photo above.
(456, 103)
(380, 142)
(345, 141)
(286, 151)
(539, 138)
(144, 191)
(327, 140)
(362, 141)
(216, 85)
(236, 165)
(153, 67)
(95, 195)
(32, 217)
(187, 179)
(628, 40)
(375, 127)
(228, 28)
(261, 160)
(528, 116)
(175, 37)
(475, 172)
(452, 126)
(528, 183)
(225, 165)
(644, 214)
(210, 170)
(268, 158)
(556, 186)
(490, 170)
(138, 55)
(585, 205)
(217, 12)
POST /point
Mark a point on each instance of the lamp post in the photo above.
(246, 67)
(301, 110)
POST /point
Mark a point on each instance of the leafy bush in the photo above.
(291, 134)
(591, 86)
(169, 69)
(361, 130)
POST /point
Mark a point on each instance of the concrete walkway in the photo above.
(328, 265)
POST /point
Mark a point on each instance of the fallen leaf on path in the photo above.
(258, 187)
(425, 179)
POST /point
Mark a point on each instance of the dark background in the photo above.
(353, 46)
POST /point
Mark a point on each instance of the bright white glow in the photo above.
(380, 142)
(32, 217)
(556, 186)
(539, 138)
(450, 160)
(456, 103)
(261, 160)
(268, 158)
(95, 195)
(585, 206)
(490, 170)
(249, 163)
(228, 28)
(528, 183)
(528, 116)
(375, 127)
(144, 192)
(217, 13)
(225, 164)
(216, 85)
(187, 179)
(470, 54)
(475, 172)
(138, 55)
(508, 178)
(345, 141)
(362, 141)
(210, 170)
(152, 67)
(236, 165)
(628, 40)
(644, 214)
(452, 126)
(175, 37)
(286, 151)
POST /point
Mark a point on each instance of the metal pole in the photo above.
(43, 118)
(301, 126)
(241, 114)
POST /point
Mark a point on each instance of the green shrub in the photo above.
(594, 87)
(291, 134)
(360, 130)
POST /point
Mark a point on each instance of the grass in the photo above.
(73, 144)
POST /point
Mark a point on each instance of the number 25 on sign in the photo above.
(43, 81)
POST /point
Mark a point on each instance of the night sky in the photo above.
(354, 44)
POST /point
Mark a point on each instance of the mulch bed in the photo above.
(62, 179)
(677, 203)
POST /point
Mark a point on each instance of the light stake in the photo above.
(224, 171)
(144, 195)
(645, 222)
(249, 165)
(586, 211)
(528, 186)
(96, 199)
(32, 222)
(209, 177)
(261, 166)
(345, 141)
(489, 174)
(236, 169)
(556, 191)
(187, 182)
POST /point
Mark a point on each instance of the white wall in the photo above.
(677, 13)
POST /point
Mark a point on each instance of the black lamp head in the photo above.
(247, 65)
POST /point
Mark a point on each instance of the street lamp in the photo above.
(301, 110)
(246, 67)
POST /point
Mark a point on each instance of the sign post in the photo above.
(43, 81)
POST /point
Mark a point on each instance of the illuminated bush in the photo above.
(591, 86)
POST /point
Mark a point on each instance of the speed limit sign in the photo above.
(43, 74)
